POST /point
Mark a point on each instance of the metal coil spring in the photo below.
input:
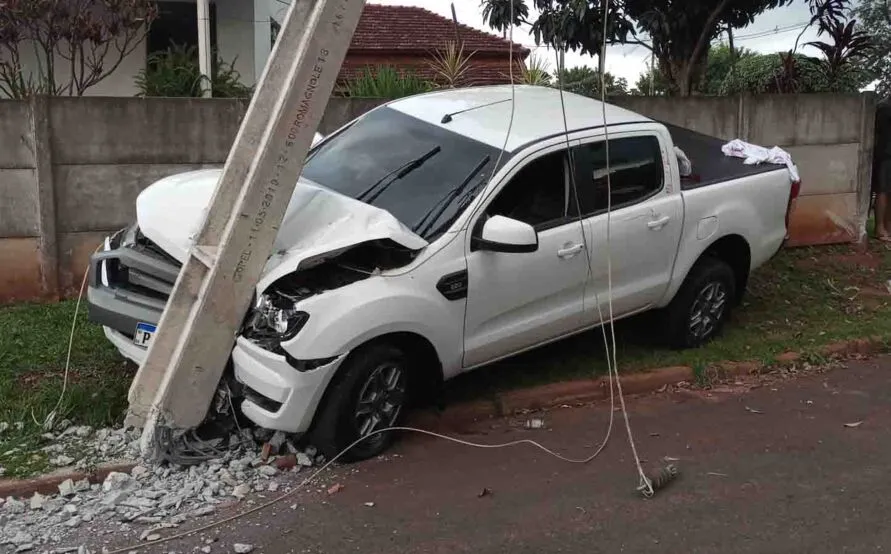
(660, 479)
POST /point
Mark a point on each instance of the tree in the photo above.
(781, 73)
(586, 81)
(562, 24)
(874, 19)
(721, 60)
(848, 46)
(90, 37)
(651, 78)
(679, 33)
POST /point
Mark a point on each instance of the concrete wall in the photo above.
(829, 137)
(71, 168)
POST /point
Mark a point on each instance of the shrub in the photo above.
(176, 72)
(385, 82)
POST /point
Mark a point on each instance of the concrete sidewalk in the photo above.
(792, 478)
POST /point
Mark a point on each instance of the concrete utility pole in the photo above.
(177, 382)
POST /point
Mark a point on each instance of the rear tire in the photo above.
(369, 392)
(702, 306)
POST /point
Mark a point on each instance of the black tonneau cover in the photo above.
(710, 165)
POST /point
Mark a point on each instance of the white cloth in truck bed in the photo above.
(754, 154)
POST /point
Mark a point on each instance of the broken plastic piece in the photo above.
(334, 489)
(534, 423)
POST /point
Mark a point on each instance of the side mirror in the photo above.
(503, 234)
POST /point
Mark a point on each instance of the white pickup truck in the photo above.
(414, 248)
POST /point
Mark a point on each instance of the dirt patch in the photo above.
(852, 259)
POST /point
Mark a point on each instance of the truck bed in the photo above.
(710, 165)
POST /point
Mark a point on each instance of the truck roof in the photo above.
(537, 115)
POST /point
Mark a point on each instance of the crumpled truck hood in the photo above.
(317, 222)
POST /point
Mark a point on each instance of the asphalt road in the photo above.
(792, 478)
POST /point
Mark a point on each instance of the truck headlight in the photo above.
(274, 319)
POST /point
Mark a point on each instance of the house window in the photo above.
(177, 25)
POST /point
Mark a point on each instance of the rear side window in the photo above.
(635, 173)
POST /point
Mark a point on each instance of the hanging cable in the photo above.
(513, 94)
(50, 420)
(646, 486)
(575, 192)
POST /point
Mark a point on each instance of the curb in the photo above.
(457, 416)
(49, 484)
(582, 391)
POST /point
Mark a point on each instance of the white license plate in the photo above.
(144, 334)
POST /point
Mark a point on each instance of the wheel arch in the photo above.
(734, 250)
(429, 377)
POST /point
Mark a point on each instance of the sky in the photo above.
(772, 31)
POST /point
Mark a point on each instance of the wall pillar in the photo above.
(864, 166)
(48, 249)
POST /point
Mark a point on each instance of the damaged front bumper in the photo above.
(129, 282)
(278, 395)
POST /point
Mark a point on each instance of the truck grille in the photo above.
(138, 265)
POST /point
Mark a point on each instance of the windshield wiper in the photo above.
(446, 200)
(396, 174)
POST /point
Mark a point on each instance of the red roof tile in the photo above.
(407, 28)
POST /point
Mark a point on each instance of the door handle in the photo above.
(657, 224)
(570, 251)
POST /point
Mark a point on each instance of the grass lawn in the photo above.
(33, 347)
(804, 298)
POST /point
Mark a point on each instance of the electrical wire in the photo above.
(50, 419)
(612, 402)
(774, 31)
(513, 95)
(300, 486)
(645, 485)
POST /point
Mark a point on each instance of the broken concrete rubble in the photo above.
(148, 498)
(37, 501)
(116, 481)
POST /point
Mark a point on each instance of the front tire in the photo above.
(369, 393)
(702, 306)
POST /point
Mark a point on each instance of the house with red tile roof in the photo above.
(242, 32)
(406, 38)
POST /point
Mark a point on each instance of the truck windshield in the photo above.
(374, 148)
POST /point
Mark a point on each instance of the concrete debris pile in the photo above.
(83, 447)
(141, 503)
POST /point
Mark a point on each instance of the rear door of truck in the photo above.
(645, 222)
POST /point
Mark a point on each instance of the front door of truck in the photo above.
(519, 300)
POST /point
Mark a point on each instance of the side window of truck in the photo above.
(539, 194)
(635, 172)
